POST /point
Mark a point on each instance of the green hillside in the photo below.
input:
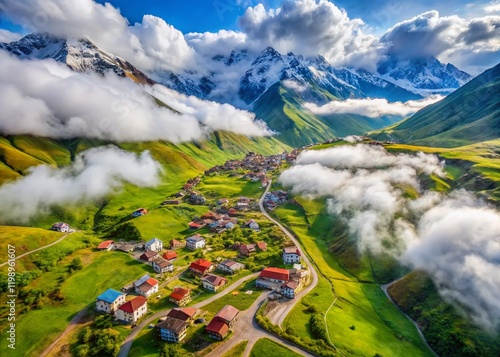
(468, 115)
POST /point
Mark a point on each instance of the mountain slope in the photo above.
(470, 114)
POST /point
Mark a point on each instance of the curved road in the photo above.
(37, 249)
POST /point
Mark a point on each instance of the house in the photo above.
(222, 201)
(247, 249)
(201, 267)
(180, 296)
(233, 212)
(176, 244)
(109, 301)
(228, 314)
(195, 242)
(242, 206)
(290, 289)
(146, 286)
(272, 278)
(172, 329)
(255, 226)
(149, 256)
(161, 265)
(262, 246)
(230, 266)
(60, 227)
(170, 256)
(291, 255)
(139, 212)
(106, 245)
(154, 245)
(196, 225)
(213, 282)
(185, 314)
(124, 247)
(133, 310)
(220, 325)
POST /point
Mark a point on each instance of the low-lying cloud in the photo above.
(372, 108)
(94, 174)
(45, 98)
(454, 238)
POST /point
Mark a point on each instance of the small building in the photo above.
(162, 266)
(220, 325)
(291, 255)
(149, 256)
(196, 225)
(139, 212)
(272, 278)
(180, 296)
(176, 244)
(213, 282)
(195, 242)
(229, 314)
(106, 245)
(262, 246)
(172, 329)
(146, 286)
(170, 256)
(201, 267)
(185, 314)
(290, 289)
(233, 212)
(154, 245)
(109, 301)
(222, 201)
(247, 249)
(124, 247)
(131, 311)
(230, 266)
(60, 227)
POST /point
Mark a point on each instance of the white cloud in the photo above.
(8, 36)
(46, 98)
(372, 108)
(94, 174)
(455, 238)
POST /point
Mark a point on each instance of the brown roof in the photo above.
(228, 313)
(164, 264)
(134, 304)
(148, 254)
(179, 293)
(275, 273)
(182, 314)
(291, 285)
(218, 326)
(214, 279)
(291, 250)
(173, 324)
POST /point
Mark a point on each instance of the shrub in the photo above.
(318, 327)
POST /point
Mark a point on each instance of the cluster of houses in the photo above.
(275, 198)
(217, 222)
(252, 162)
(129, 312)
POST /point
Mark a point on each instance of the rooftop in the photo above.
(134, 304)
(173, 324)
(109, 296)
(228, 313)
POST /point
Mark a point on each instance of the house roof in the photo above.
(148, 254)
(228, 313)
(196, 238)
(109, 296)
(291, 285)
(59, 225)
(217, 326)
(173, 324)
(134, 304)
(262, 245)
(152, 281)
(169, 255)
(164, 264)
(179, 293)
(250, 247)
(215, 280)
(275, 273)
(291, 250)
(195, 225)
(105, 244)
(152, 241)
(200, 264)
(182, 314)
(141, 280)
(175, 241)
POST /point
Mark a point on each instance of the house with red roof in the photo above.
(229, 314)
(213, 282)
(185, 314)
(149, 256)
(262, 246)
(170, 256)
(106, 245)
(146, 286)
(201, 267)
(247, 249)
(180, 296)
(291, 289)
(291, 255)
(272, 278)
(222, 322)
(132, 310)
(196, 225)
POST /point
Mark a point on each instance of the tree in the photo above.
(85, 335)
(76, 264)
(82, 351)
(103, 321)
(169, 350)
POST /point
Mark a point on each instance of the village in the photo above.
(184, 270)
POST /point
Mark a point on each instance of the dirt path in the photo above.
(38, 249)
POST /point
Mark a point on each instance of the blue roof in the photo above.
(152, 241)
(109, 296)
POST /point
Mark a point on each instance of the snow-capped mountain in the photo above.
(424, 76)
(79, 55)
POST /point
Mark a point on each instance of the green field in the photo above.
(38, 328)
(237, 351)
(268, 348)
(241, 301)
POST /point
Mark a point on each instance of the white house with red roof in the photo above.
(272, 278)
(213, 282)
(132, 310)
(146, 286)
(106, 245)
(291, 255)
